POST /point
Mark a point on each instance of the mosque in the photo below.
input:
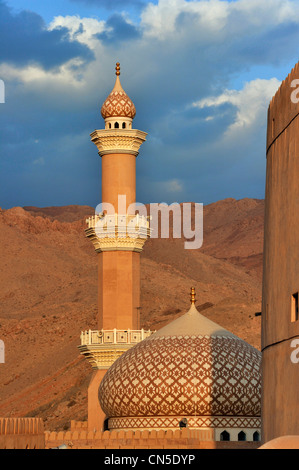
(191, 384)
(191, 373)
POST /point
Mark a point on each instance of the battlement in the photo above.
(28, 433)
(282, 110)
(171, 439)
(22, 433)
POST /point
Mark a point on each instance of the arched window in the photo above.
(116, 125)
(241, 436)
(124, 125)
(225, 436)
(109, 125)
(256, 436)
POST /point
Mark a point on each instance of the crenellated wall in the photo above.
(28, 433)
(178, 439)
(22, 433)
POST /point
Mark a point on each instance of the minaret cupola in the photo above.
(118, 110)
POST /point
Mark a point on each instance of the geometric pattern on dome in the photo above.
(184, 375)
(118, 104)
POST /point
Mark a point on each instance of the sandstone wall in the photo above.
(179, 439)
(280, 396)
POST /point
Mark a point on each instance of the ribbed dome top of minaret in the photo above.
(118, 104)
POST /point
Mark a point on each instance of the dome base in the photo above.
(173, 422)
(233, 426)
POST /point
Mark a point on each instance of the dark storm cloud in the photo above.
(118, 30)
(46, 154)
(24, 39)
(238, 43)
(272, 45)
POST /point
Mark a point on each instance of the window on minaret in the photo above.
(295, 307)
(124, 125)
(116, 125)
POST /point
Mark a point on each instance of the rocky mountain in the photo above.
(48, 276)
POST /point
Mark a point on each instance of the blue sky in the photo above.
(200, 73)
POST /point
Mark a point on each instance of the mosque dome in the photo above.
(191, 369)
(118, 104)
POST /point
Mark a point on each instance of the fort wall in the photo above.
(29, 433)
(178, 439)
(280, 322)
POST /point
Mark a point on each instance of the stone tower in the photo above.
(280, 321)
(118, 235)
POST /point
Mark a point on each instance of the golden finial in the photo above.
(117, 68)
(192, 296)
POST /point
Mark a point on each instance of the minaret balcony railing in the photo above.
(110, 232)
(106, 337)
(102, 347)
(131, 223)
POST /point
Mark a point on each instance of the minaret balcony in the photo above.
(103, 347)
(118, 141)
(118, 232)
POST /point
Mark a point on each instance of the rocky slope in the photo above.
(48, 276)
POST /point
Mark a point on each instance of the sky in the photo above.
(200, 73)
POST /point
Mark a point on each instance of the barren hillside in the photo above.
(48, 276)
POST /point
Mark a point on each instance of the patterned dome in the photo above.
(118, 104)
(191, 367)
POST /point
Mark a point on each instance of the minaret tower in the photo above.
(118, 235)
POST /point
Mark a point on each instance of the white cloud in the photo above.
(39, 161)
(80, 29)
(220, 17)
(35, 74)
(267, 11)
(67, 78)
(55, 86)
(172, 186)
(251, 103)
(160, 20)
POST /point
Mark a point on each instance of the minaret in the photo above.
(118, 236)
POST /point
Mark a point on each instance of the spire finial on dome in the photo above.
(118, 104)
(192, 296)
